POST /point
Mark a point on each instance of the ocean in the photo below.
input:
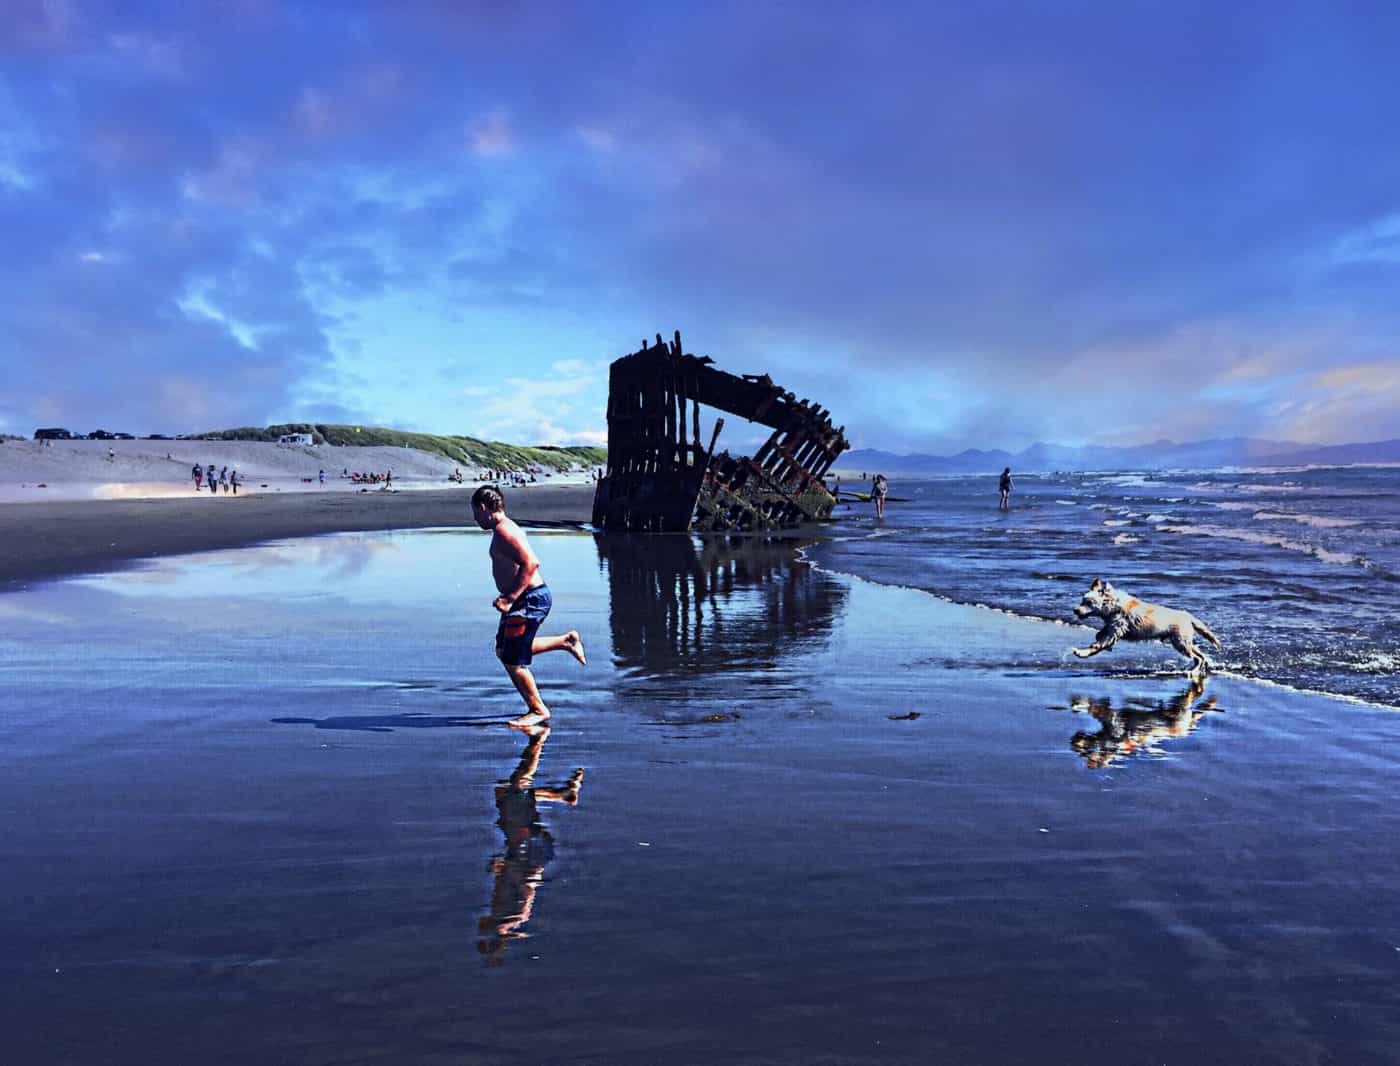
(1297, 570)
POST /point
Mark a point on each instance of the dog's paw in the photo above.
(1082, 653)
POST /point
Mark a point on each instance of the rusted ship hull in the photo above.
(663, 477)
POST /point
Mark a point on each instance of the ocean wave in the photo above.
(1306, 519)
(1270, 540)
(1126, 538)
(1380, 663)
(1117, 522)
(1268, 682)
(1284, 486)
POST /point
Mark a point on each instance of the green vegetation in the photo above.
(467, 451)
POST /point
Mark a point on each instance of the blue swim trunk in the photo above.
(518, 628)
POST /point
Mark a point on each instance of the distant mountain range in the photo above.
(1159, 455)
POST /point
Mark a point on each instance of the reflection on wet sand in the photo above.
(682, 604)
(1133, 730)
(529, 847)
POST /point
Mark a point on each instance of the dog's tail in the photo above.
(1204, 630)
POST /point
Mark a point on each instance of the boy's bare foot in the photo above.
(573, 644)
(571, 790)
(530, 723)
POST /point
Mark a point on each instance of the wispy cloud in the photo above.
(491, 135)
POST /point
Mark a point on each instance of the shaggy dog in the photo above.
(1127, 618)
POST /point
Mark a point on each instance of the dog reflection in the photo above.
(1124, 732)
(529, 847)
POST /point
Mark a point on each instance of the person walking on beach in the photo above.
(213, 479)
(198, 474)
(1005, 504)
(223, 477)
(523, 603)
(878, 488)
(233, 481)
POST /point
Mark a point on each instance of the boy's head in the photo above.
(487, 502)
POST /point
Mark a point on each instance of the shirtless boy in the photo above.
(523, 603)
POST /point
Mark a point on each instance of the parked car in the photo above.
(100, 434)
(52, 434)
(123, 436)
(157, 436)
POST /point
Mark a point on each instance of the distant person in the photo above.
(878, 490)
(1005, 504)
(198, 474)
(322, 476)
(223, 478)
(233, 481)
(524, 603)
(111, 454)
(213, 478)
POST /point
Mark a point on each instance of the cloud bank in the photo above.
(965, 228)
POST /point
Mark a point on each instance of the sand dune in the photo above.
(81, 469)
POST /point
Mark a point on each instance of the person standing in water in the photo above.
(524, 603)
(1005, 504)
(878, 488)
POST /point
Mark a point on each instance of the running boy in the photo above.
(523, 603)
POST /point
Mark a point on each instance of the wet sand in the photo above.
(46, 540)
(258, 815)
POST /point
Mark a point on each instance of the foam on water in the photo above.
(1322, 547)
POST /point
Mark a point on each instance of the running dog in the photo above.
(1127, 618)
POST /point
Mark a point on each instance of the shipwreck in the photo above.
(662, 474)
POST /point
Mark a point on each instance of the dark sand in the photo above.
(252, 813)
(45, 540)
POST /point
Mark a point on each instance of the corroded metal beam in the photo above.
(659, 478)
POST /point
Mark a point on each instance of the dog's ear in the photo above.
(1098, 582)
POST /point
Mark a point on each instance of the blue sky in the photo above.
(960, 225)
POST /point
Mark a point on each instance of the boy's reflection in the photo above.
(528, 848)
(1125, 731)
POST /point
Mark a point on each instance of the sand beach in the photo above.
(258, 808)
(261, 802)
(95, 513)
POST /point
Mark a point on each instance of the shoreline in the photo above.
(52, 539)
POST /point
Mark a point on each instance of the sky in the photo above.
(954, 225)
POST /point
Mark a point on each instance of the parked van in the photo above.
(52, 434)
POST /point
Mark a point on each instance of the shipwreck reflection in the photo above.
(529, 847)
(683, 604)
(1138, 727)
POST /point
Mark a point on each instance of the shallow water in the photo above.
(1298, 571)
(254, 812)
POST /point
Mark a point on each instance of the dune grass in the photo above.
(468, 451)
